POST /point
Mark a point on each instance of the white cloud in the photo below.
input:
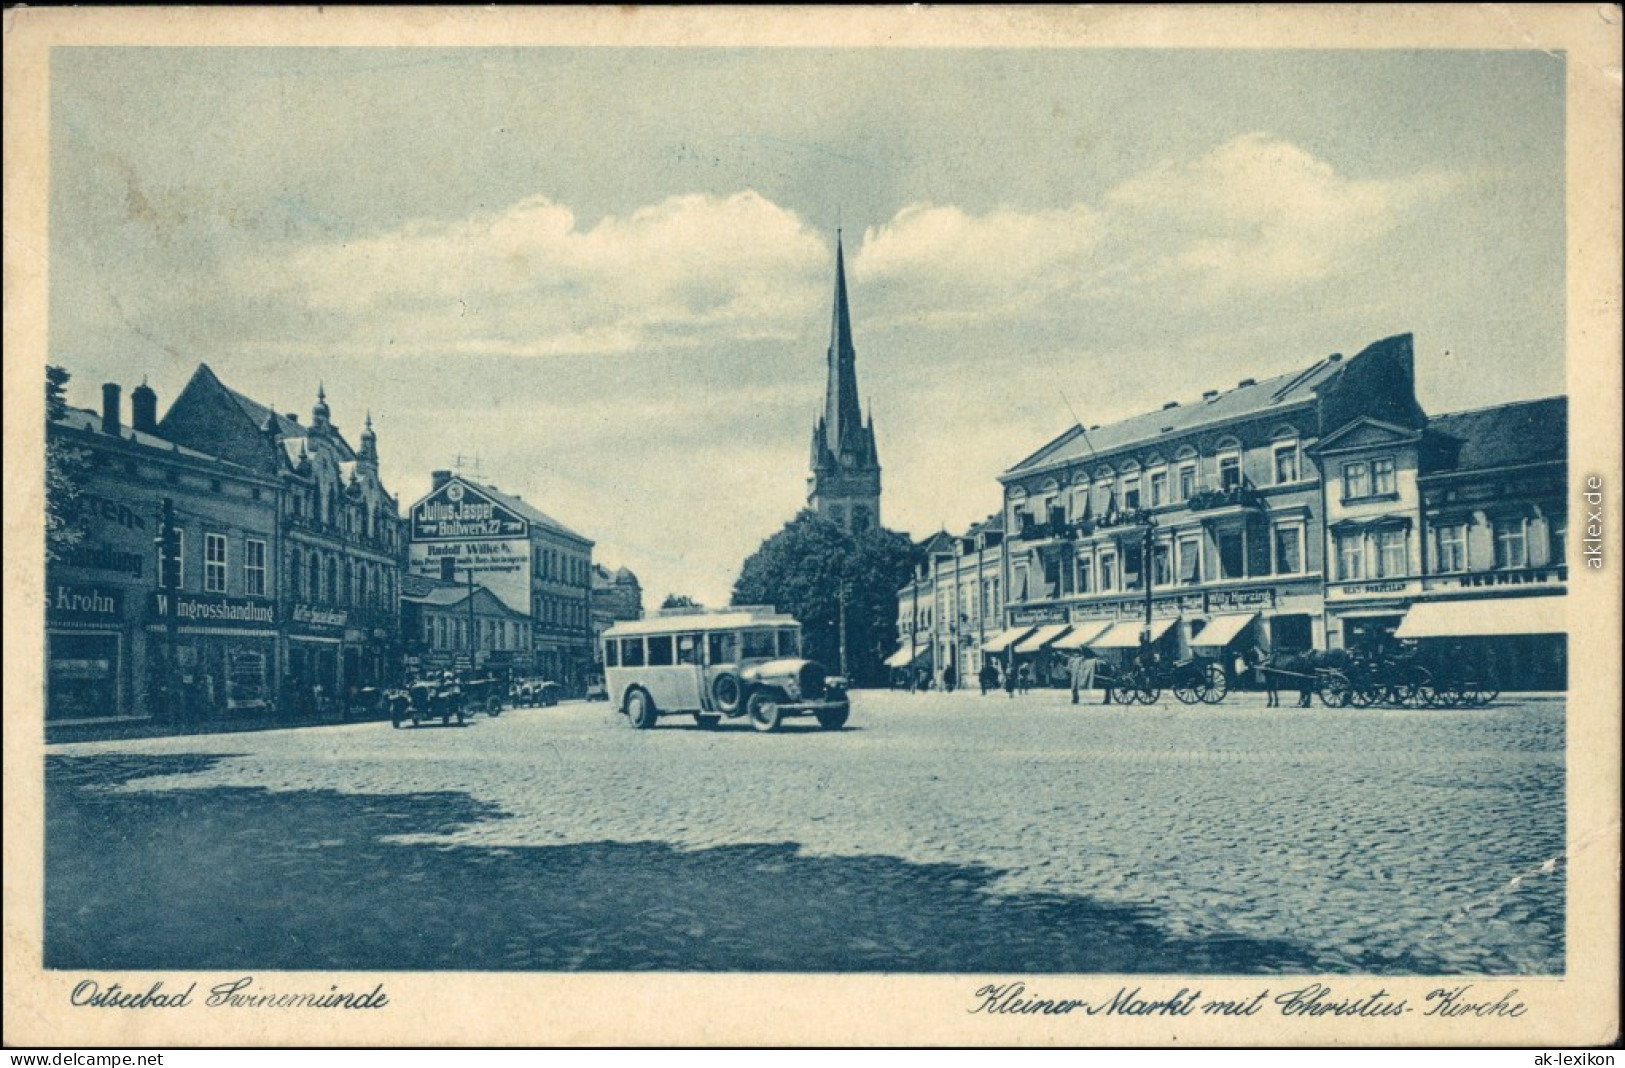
(1253, 214)
(528, 281)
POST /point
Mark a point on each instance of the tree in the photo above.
(680, 600)
(65, 472)
(802, 570)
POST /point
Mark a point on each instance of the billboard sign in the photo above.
(458, 511)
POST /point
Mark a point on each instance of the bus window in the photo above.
(789, 643)
(759, 644)
(724, 648)
(688, 648)
(660, 650)
(612, 650)
(632, 652)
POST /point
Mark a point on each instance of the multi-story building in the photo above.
(461, 627)
(533, 563)
(616, 597)
(1493, 484)
(128, 638)
(1205, 516)
(342, 546)
(950, 613)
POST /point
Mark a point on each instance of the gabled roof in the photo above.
(90, 421)
(1282, 391)
(1503, 435)
(258, 413)
(528, 511)
(940, 542)
(1364, 431)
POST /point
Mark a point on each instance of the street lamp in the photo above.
(1147, 570)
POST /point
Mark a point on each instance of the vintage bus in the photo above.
(732, 662)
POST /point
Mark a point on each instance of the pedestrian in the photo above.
(950, 678)
(1010, 680)
(1081, 668)
(988, 676)
(1025, 679)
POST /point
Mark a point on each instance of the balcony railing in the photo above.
(1243, 496)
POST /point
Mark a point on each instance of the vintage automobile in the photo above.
(484, 695)
(736, 663)
(440, 699)
(534, 693)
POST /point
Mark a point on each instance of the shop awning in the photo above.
(1082, 634)
(1126, 635)
(1484, 617)
(1005, 639)
(902, 657)
(1038, 639)
(1222, 630)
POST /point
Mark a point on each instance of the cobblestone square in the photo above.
(937, 833)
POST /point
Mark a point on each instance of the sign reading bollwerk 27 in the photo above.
(458, 512)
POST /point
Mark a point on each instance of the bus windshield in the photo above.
(789, 642)
(759, 644)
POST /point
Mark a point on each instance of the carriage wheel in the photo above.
(1147, 692)
(1188, 689)
(1335, 690)
(1413, 687)
(1214, 685)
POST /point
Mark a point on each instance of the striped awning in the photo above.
(1126, 635)
(1035, 642)
(1005, 639)
(1222, 630)
(1080, 635)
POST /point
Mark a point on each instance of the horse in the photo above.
(1298, 669)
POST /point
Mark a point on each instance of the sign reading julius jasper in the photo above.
(457, 511)
(458, 529)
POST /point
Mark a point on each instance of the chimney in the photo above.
(1245, 382)
(1209, 394)
(144, 408)
(110, 406)
(440, 479)
(1170, 404)
(292, 417)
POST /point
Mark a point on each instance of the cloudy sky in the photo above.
(606, 273)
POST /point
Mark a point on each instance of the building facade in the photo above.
(342, 543)
(452, 626)
(530, 561)
(845, 483)
(126, 636)
(616, 596)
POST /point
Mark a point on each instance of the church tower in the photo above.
(845, 482)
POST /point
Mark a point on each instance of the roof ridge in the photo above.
(1564, 397)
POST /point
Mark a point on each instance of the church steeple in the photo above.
(845, 486)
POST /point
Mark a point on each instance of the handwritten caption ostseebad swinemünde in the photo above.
(1311, 1000)
(241, 993)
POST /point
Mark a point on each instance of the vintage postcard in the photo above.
(1089, 526)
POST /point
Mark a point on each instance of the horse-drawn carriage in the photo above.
(1198, 680)
(1310, 672)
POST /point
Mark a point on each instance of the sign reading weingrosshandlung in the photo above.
(212, 611)
(458, 512)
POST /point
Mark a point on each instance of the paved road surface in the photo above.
(935, 833)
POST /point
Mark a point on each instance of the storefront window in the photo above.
(1392, 559)
(1356, 480)
(254, 567)
(1232, 554)
(1350, 557)
(214, 563)
(1511, 543)
(1289, 550)
(1452, 548)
